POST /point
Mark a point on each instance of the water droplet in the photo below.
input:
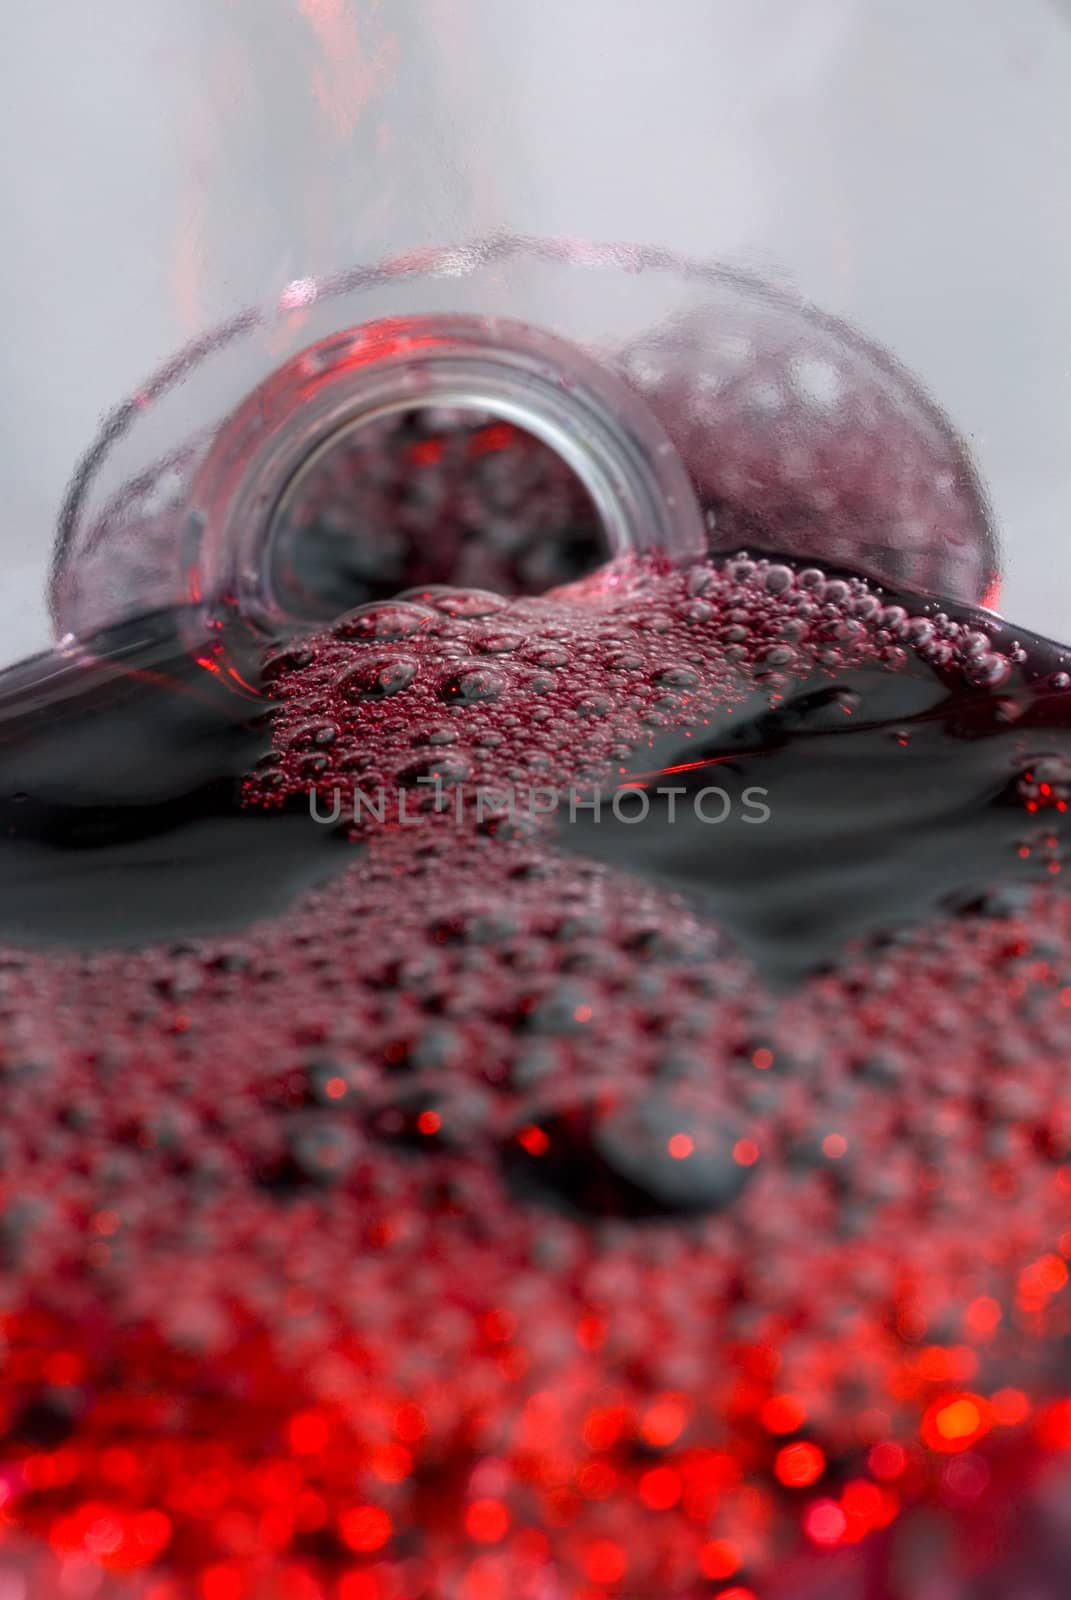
(547, 655)
(987, 669)
(464, 603)
(322, 1148)
(781, 655)
(472, 686)
(497, 644)
(395, 619)
(976, 643)
(778, 579)
(285, 662)
(377, 680)
(426, 1118)
(654, 1154)
(313, 736)
(677, 677)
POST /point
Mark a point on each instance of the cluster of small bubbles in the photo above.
(496, 665)
(527, 1243)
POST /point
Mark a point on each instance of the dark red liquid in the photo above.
(494, 1203)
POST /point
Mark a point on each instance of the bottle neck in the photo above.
(238, 543)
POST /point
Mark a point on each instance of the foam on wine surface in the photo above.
(540, 1207)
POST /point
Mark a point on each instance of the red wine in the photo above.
(421, 1177)
(120, 810)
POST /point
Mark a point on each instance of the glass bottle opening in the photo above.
(430, 495)
(254, 543)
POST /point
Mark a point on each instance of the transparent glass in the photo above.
(790, 275)
(233, 183)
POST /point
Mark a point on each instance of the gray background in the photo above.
(902, 162)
